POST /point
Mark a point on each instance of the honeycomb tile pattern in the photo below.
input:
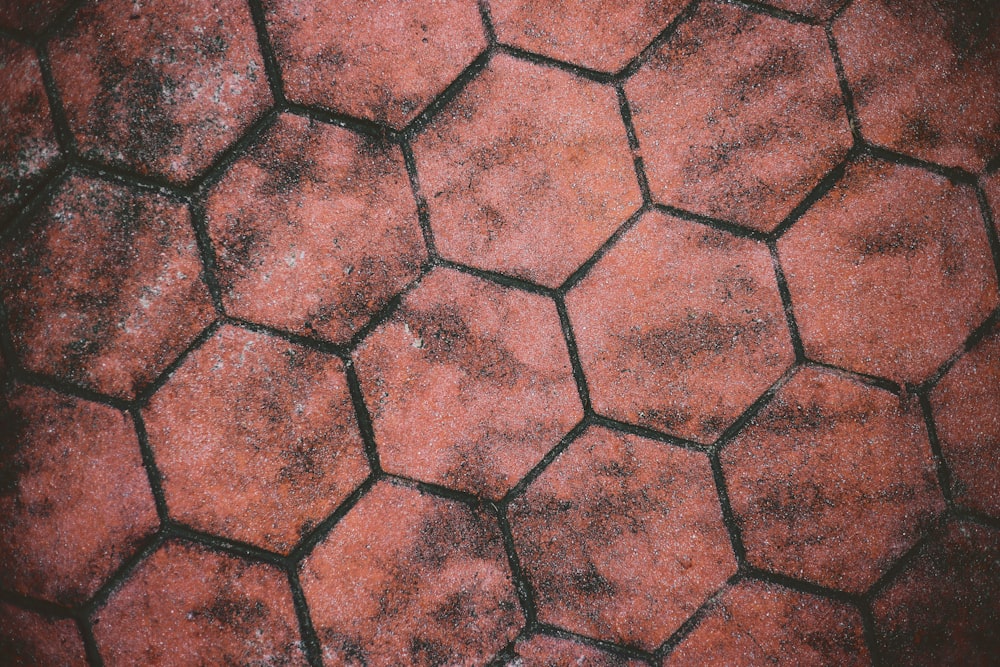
(499, 332)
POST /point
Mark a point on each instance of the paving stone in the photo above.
(27, 638)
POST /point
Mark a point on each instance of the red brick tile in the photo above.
(622, 538)
(943, 609)
(256, 438)
(27, 138)
(817, 9)
(469, 384)
(544, 651)
(185, 605)
(527, 172)
(832, 481)
(31, 16)
(28, 639)
(889, 271)
(162, 90)
(921, 73)
(103, 286)
(755, 623)
(591, 33)
(74, 498)
(285, 224)
(409, 579)
(680, 327)
(761, 120)
(384, 61)
(966, 409)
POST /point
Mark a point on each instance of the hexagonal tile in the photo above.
(832, 481)
(406, 578)
(920, 72)
(32, 16)
(527, 172)
(680, 327)
(103, 286)
(188, 605)
(755, 623)
(315, 229)
(591, 33)
(469, 384)
(816, 9)
(29, 639)
(546, 651)
(761, 123)
(74, 496)
(256, 438)
(889, 271)
(27, 139)
(966, 409)
(943, 608)
(384, 61)
(622, 538)
(162, 90)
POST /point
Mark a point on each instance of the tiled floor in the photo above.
(532, 332)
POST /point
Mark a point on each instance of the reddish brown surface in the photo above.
(28, 639)
(923, 75)
(407, 578)
(515, 183)
(103, 287)
(991, 185)
(314, 229)
(27, 138)
(817, 9)
(944, 607)
(680, 327)
(595, 34)
(544, 651)
(761, 120)
(391, 62)
(74, 498)
(966, 408)
(622, 538)
(469, 384)
(32, 16)
(755, 623)
(890, 271)
(832, 481)
(256, 438)
(162, 86)
(185, 605)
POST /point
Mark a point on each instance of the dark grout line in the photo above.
(522, 584)
(620, 650)
(384, 313)
(875, 381)
(425, 117)
(829, 180)
(584, 269)
(991, 227)
(625, 110)
(970, 516)
(582, 387)
(16, 225)
(648, 433)
(546, 61)
(801, 585)
(432, 489)
(202, 184)
(44, 183)
(423, 210)
(307, 631)
(844, 6)
(943, 471)
(846, 94)
(487, 19)
(122, 176)
(992, 165)
(206, 254)
(903, 562)
(868, 627)
(956, 175)
(90, 648)
(57, 111)
(729, 518)
(315, 344)
(774, 12)
(363, 417)
(119, 577)
(24, 376)
(695, 619)
(541, 466)
(323, 528)
(243, 550)
(501, 279)
(985, 329)
(153, 474)
(362, 126)
(748, 415)
(142, 397)
(715, 223)
(62, 19)
(636, 63)
(272, 69)
(786, 303)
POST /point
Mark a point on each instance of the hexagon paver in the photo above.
(739, 116)
(103, 287)
(546, 651)
(622, 538)
(29, 639)
(186, 605)
(315, 229)
(74, 498)
(755, 623)
(943, 608)
(680, 327)
(966, 409)
(922, 73)
(889, 271)
(591, 33)
(817, 9)
(469, 384)
(256, 438)
(832, 481)
(515, 182)
(27, 139)
(384, 61)
(162, 90)
(410, 579)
